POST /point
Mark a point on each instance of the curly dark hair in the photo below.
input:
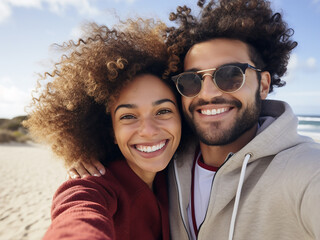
(71, 111)
(251, 21)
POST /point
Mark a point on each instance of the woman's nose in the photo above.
(148, 127)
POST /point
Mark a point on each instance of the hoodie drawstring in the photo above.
(237, 199)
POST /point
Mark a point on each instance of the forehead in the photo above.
(145, 88)
(216, 52)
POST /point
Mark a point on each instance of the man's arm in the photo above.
(83, 169)
(309, 207)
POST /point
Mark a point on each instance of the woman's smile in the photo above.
(151, 147)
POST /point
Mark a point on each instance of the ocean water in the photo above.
(310, 126)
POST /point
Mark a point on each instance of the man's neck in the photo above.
(216, 155)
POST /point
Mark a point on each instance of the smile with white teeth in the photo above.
(213, 111)
(149, 149)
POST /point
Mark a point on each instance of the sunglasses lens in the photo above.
(229, 78)
(189, 84)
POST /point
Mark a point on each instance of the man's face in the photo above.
(221, 118)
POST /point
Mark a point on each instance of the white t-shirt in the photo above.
(202, 177)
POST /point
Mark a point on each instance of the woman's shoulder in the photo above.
(108, 186)
(88, 187)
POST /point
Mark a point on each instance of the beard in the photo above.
(214, 135)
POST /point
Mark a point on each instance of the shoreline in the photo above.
(314, 135)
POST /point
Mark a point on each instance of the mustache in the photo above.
(217, 100)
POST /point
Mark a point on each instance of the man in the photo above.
(250, 175)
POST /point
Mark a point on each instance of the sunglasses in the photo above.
(228, 78)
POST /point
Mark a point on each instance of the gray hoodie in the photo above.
(279, 197)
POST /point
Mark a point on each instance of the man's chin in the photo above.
(214, 136)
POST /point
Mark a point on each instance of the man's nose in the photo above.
(209, 90)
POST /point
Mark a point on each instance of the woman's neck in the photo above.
(145, 176)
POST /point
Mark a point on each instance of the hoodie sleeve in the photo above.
(83, 209)
(310, 207)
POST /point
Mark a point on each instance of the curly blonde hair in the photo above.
(71, 112)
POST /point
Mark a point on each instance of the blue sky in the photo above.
(29, 27)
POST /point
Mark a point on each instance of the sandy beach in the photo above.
(29, 176)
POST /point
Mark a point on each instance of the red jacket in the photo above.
(118, 205)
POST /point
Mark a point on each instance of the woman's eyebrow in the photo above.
(158, 102)
(131, 106)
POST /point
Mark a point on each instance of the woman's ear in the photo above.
(265, 84)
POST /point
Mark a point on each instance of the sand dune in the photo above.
(29, 176)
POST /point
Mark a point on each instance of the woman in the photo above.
(107, 101)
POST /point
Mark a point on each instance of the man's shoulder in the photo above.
(308, 149)
(302, 159)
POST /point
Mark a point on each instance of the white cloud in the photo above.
(293, 65)
(298, 66)
(5, 11)
(296, 63)
(76, 32)
(293, 62)
(25, 3)
(83, 7)
(5, 80)
(13, 95)
(311, 63)
(13, 101)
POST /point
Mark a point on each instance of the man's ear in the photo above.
(265, 84)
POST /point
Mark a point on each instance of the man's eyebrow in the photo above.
(198, 69)
(131, 106)
(163, 101)
(193, 70)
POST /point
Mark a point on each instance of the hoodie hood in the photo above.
(277, 132)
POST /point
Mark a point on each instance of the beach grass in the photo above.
(11, 130)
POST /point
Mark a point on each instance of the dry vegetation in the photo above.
(11, 130)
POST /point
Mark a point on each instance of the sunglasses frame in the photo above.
(242, 66)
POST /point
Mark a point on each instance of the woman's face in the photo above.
(147, 125)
